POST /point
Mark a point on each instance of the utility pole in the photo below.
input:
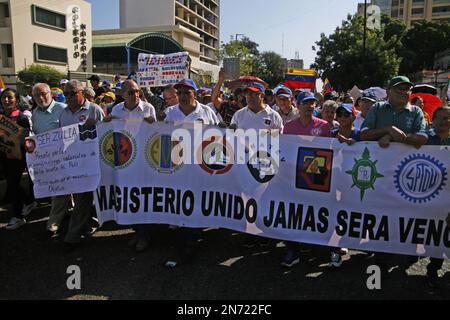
(363, 60)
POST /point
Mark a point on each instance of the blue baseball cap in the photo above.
(255, 87)
(283, 92)
(347, 107)
(186, 83)
(368, 95)
(306, 96)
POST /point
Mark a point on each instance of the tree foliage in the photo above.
(268, 65)
(422, 42)
(237, 49)
(390, 51)
(270, 68)
(41, 73)
(341, 59)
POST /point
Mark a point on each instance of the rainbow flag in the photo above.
(327, 88)
(301, 79)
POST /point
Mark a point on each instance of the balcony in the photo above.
(440, 2)
(441, 13)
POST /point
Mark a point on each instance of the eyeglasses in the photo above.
(70, 94)
(41, 94)
(180, 92)
(133, 92)
(343, 115)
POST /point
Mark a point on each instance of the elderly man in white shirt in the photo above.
(189, 109)
(134, 108)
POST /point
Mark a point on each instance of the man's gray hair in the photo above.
(330, 104)
(74, 84)
(89, 91)
(38, 85)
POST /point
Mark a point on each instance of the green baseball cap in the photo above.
(399, 80)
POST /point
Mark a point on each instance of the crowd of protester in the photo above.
(293, 112)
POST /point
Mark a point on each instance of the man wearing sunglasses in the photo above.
(189, 109)
(306, 125)
(79, 111)
(133, 107)
(396, 120)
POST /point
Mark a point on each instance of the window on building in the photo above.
(6, 10)
(6, 55)
(417, 12)
(440, 11)
(50, 54)
(48, 18)
(8, 50)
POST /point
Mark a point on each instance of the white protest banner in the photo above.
(162, 70)
(320, 191)
(11, 136)
(64, 161)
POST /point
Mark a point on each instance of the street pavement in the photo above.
(229, 266)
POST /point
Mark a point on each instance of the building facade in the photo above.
(412, 11)
(56, 33)
(199, 16)
(385, 6)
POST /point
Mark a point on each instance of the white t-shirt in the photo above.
(142, 111)
(265, 119)
(201, 113)
(358, 121)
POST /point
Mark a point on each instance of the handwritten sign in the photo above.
(64, 161)
(162, 70)
(11, 136)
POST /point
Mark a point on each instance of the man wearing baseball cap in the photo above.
(396, 120)
(95, 83)
(256, 115)
(284, 107)
(307, 125)
(62, 84)
(189, 109)
(364, 104)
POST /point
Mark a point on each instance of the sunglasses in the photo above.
(343, 115)
(71, 93)
(187, 92)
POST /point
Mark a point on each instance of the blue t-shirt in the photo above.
(355, 135)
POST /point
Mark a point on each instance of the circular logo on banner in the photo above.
(216, 155)
(118, 149)
(420, 178)
(365, 173)
(262, 166)
(159, 154)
